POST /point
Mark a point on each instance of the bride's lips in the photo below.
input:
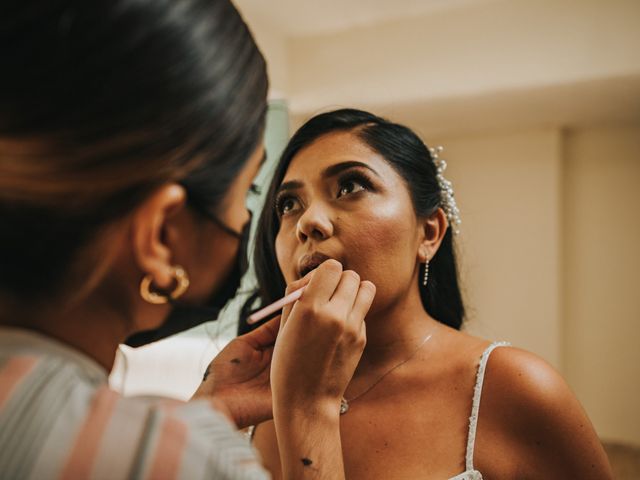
(310, 262)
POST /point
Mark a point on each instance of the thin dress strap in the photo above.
(477, 392)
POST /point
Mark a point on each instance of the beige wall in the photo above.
(550, 254)
(601, 284)
(492, 49)
(273, 45)
(508, 188)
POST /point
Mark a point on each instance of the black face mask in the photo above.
(184, 317)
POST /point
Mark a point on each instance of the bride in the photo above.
(427, 400)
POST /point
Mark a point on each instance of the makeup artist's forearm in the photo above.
(310, 446)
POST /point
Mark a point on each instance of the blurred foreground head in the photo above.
(102, 102)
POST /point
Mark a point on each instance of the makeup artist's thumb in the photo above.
(265, 335)
(296, 284)
(292, 287)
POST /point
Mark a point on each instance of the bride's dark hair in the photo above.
(410, 157)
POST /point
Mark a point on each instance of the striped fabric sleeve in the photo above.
(228, 453)
(163, 440)
(56, 423)
(14, 371)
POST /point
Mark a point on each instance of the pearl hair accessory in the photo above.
(446, 187)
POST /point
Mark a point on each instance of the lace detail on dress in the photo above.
(477, 393)
(468, 475)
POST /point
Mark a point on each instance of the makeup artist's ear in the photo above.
(433, 229)
(149, 232)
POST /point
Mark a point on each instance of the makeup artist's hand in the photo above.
(320, 343)
(322, 337)
(238, 379)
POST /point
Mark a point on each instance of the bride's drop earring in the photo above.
(425, 279)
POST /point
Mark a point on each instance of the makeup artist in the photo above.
(130, 131)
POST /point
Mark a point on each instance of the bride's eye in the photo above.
(353, 184)
(286, 204)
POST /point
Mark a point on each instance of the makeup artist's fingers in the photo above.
(319, 288)
(284, 316)
(363, 302)
(324, 282)
(319, 349)
(296, 284)
(292, 287)
(345, 293)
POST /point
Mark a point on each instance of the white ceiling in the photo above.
(308, 17)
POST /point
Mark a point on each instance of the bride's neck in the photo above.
(392, 333)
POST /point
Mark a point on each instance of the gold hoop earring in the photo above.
(181, 280)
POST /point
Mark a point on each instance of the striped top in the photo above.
(59, 419)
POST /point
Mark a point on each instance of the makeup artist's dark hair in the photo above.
(103, 101)
(411, 159)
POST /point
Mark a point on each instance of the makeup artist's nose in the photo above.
(314, 224)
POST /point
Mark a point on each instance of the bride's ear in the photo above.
(434, 228)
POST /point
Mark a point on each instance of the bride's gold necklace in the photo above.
(344, 403)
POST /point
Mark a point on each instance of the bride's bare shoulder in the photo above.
(526, 401)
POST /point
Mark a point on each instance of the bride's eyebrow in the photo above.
(291, 185)
(334, 170)
(328, 172)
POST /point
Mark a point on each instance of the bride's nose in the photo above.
(314, 223)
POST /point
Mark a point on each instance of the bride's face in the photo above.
(342, 200)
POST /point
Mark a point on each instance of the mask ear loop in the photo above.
(213, 218)
(215, 337)
(221, 334)
(218, 339)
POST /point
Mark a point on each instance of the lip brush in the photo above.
(275, 306)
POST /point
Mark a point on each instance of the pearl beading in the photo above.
(448, 202)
